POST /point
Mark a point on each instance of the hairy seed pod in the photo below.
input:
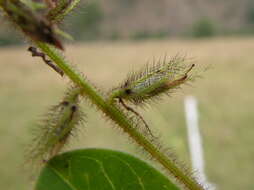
(59, 124)
(62, 8)
(32, 24)
(153, 81)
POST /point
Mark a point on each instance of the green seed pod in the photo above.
(32, 24)
(59, 124)
(153, 81)
(62, 8)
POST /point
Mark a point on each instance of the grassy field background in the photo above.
(225, 94)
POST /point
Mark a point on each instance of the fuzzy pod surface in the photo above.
(58, 125)
(153, 81)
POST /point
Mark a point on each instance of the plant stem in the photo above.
(119, 118)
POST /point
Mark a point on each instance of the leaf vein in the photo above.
(63, 178)
(103, 171)
(133, 171)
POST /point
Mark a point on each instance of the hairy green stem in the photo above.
(120, 118)
(111, 110)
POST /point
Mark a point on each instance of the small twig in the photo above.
(36, 53)
(137, 114)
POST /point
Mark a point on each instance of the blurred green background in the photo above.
(140, 20)
(123, 36)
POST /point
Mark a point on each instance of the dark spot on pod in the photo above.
(65, 103)
(73, 108)
(128, 91)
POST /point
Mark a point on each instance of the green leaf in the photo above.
(99, 169)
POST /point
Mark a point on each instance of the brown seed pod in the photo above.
(31, 23)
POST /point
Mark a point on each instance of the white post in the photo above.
(195, 141)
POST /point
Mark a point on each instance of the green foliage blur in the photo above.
(250, 13)
(137, 20)
(84, 24)
(143, 35)
(204, 28)
(8, 36)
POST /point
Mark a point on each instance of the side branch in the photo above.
(35, 53)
